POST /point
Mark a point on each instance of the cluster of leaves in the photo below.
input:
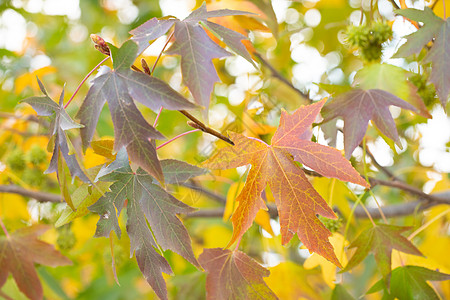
(135, 180)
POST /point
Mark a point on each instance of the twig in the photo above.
(160, 53)
(208, 193)
(196, 123)
(280, 77)
(39, 196)
(403, 209)
(394, 4)
(385, 170)
(405, 187)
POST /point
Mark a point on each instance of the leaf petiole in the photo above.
(4, 228)
(84, 80)
(178, 136)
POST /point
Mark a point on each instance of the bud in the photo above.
(100, 44)
(145, 67)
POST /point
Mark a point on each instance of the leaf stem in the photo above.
(178, 136)
(424, 226)
(160, 53)
(84, 80)
(157, 117)
(443, 4)
(238, 243)
(4, 228)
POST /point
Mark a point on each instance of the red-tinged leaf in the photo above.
(357, 108)
(439, 55)
(297, 201)
(147, 202)
(119, 88)
(61, 121)
(234, 275)
(19, 253)
(381, 240)
(197, 51)
(149, 31)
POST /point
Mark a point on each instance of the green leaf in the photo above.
(176, 172)
(410, 282)
(380, 240)
(340, 293)
(119, 88)
(439, 55)
(61, 121)
(147, 202)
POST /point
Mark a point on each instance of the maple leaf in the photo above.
(195, 47)
(61, 121)
(439, 54)
(291, 281)
(119, 87)
(410, 282)
(146, 202)
(234, 275)
(359, 106)
(297, 201)
(381, 240)
(18, 254)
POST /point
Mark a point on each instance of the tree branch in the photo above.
(404, 209)
(280, 77)
(39, 196)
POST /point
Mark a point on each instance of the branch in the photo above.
(390, 211)
(404, 209)
(280, 77)
(39, 196)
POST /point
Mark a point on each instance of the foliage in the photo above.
(261, 87)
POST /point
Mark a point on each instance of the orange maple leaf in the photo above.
(297, 201)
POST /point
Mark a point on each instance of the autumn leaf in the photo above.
(61, 121)
(380, 76)
(381, 240)
(147, 202)
(410, 282)
(195, 47)
(297, 201)
(328, 269)
(357, 108)
(437, 29)
(29, 79)
(119, 87)
(234, 275)
(18, 254)
(291, 281)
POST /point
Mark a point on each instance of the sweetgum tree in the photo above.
(234, 153)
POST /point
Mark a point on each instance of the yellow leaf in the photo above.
(216, 236)
(29, 79)
(439, 8)
(13, 207)
(328, 268)
(263, 219)
(104, 147)
(291, 281)
(335, 192)
(91, 159)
